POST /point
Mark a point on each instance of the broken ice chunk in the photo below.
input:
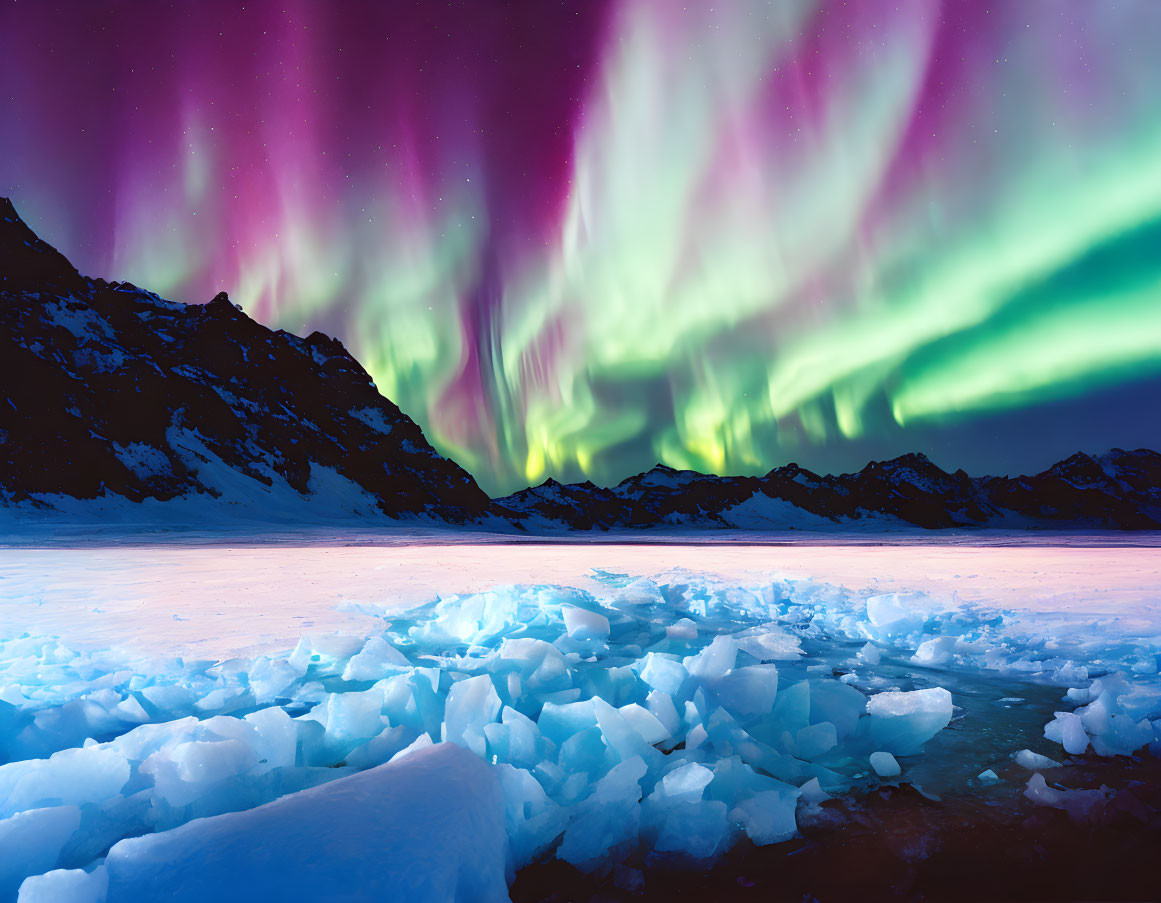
(837, 703)
(1034, 761)
(885, 765)
(771, 643)
(582, 624)
(814, 740)
(662, 672)
(522, 740)
(76, 776)
(202, 763)
(640, 592)
(325, 650)
(533, 819)
(374, 661)
(1081, 805)
(540, 664)
(380, 828)
(1068, 730)
(559, 722)
(619, 735)
(471, 704)
(645, 723)
(748, 691)
(715, 659)
(605, 828)
(682, 629)
(903, 720)
(695, 829)
(61, 885)
(768, 816)
(268, 679)
(792, 709)
(812, 793)
(423, 741)
(895, 614)
(934, 652)
(585, 751)
(31, 843)
(685, 783)
(663, 709)
(350, 718)
(383, 747)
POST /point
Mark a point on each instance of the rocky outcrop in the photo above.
(107, 389)
(1120, 490)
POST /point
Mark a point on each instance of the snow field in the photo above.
(653, 721)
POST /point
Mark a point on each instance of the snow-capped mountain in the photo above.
(1119, 490)
(107, 390)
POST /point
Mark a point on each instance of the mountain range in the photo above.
(108, 391)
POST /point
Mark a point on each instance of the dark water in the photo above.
(939, 833)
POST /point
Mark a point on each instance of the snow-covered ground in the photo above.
(218, 597)
(632, 704)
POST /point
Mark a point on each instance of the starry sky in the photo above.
(573, 238)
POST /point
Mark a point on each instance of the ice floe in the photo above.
(656, 721)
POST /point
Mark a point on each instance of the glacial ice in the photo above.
(365, 824)
(885, 765)
(1034, 761)
(902, 721)
(1081, 805)
(657, 720)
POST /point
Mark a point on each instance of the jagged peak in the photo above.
(653, 474)
(909, 459)
(329, 346)
(1117, 455)
(27, 262)
(787, 470)
(1076, 461)
(221, 304)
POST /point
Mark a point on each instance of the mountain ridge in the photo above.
(108, 390)
(1117, 490)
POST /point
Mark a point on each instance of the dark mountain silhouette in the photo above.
(1119, 490)
(107, 390)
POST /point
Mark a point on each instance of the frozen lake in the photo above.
(637, 704)
(219, 597)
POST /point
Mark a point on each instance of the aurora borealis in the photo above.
(576, 238)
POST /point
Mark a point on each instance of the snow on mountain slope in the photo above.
(109, 392)
(1119, 490)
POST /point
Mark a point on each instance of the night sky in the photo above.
(576, 238)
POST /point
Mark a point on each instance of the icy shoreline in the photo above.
(659, 719)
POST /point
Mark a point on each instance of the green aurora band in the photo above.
(783, 227)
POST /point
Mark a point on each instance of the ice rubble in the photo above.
(655, 722)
